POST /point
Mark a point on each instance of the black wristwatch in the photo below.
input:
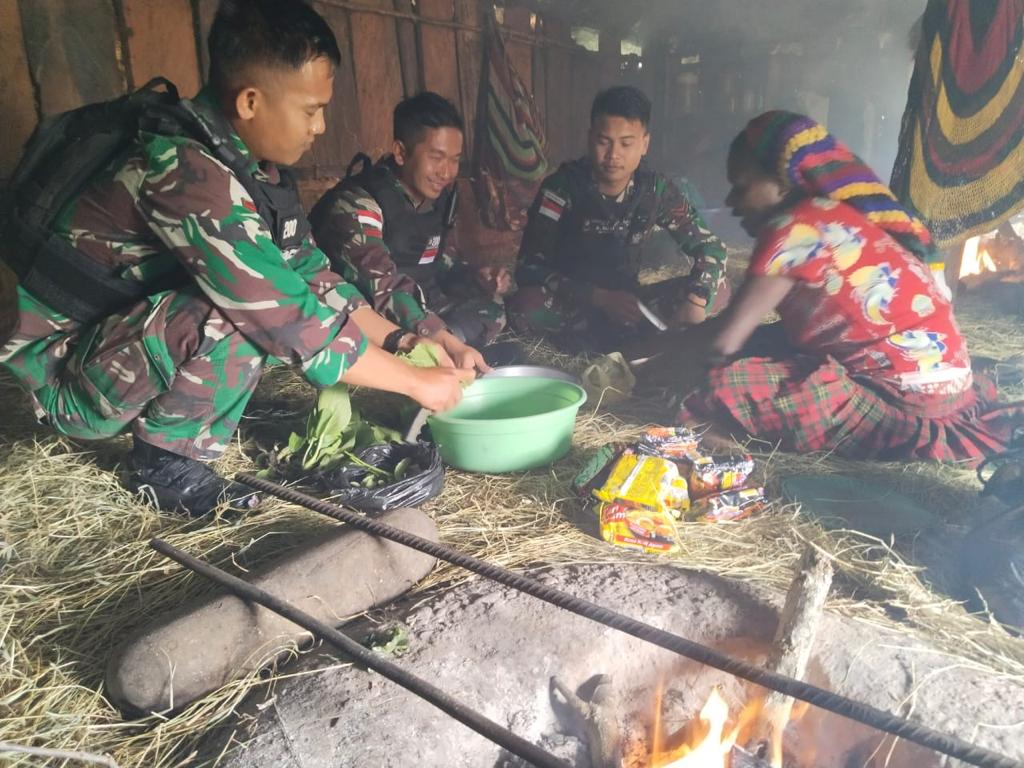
(393, 339)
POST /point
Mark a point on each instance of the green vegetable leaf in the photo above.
(422, 356)
(391, 640)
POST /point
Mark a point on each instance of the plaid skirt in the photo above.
(805, 404)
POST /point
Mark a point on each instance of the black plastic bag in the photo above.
(423, 481)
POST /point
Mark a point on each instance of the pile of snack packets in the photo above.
(640, 491)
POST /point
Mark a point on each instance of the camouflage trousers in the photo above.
(538, 311)
(477, 321)
(172, 368)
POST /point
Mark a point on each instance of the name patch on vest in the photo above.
(551, 205)
(430, 252)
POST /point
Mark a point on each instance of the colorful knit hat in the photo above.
(803, 153)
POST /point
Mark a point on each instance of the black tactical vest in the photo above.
(413, 237)
(61, 158)
(599, 241)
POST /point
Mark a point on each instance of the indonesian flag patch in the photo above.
(552, 205)
(430, 252)
(371, 222)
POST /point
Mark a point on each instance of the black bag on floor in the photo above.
(423, 482)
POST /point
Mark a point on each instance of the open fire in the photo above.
(976, 259)
(709, 739)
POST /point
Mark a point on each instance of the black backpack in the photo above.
(61, 157)
(65, 153)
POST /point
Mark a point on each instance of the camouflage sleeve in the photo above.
(290, 305)
(455, 273)
(680, 218)
(351, 234)
(536, 265)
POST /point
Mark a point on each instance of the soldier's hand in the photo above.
(438, 389)
(412, 340)
(620, 306)
(462, 355)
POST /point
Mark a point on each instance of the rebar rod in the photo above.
(947, 744)
(417, 685)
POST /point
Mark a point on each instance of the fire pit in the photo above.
(522, 663)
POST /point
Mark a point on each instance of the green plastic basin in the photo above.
(508, 424)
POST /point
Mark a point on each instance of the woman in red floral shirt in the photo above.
(868, 360)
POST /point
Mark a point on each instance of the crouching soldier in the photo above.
(579, 260)
(185, 266)
(388, 229)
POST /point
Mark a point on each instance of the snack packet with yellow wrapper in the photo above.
(713, 474)
(646, 482)
(642, 529)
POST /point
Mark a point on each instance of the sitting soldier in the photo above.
(579, 261)
(388, 229)
(192, 268)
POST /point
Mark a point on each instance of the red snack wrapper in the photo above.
(713, 474)
(674, 443)
(732, 505)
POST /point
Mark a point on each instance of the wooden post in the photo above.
(17, 99)
(470, 49)
(161, 41)
(794, 639)
(408, 51)
(205, 10)
(378, 82)
(437, 49)
(341, 139)
(72, 52)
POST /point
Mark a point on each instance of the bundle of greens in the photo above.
(336, 432)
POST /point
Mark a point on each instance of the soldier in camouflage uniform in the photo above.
(384, 230)
(579, 258)
(179, 366)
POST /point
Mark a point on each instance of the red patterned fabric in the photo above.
(805, 404)
(863, 299)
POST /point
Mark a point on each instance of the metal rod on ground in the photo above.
(819, 697)
(427, 691)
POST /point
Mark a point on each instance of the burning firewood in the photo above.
(791, 648)
(593, 716)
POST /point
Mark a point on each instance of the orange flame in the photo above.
(976, 259)
(708, 739)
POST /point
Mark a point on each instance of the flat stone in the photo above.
(213, 640)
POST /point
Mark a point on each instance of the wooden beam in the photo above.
(456, 25)
(73, 52)
(17, 99)
(161, 41)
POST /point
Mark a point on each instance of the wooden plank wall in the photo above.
(60, 54)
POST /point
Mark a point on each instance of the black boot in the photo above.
(179, 484)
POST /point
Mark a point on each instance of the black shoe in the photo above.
(179, 484)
